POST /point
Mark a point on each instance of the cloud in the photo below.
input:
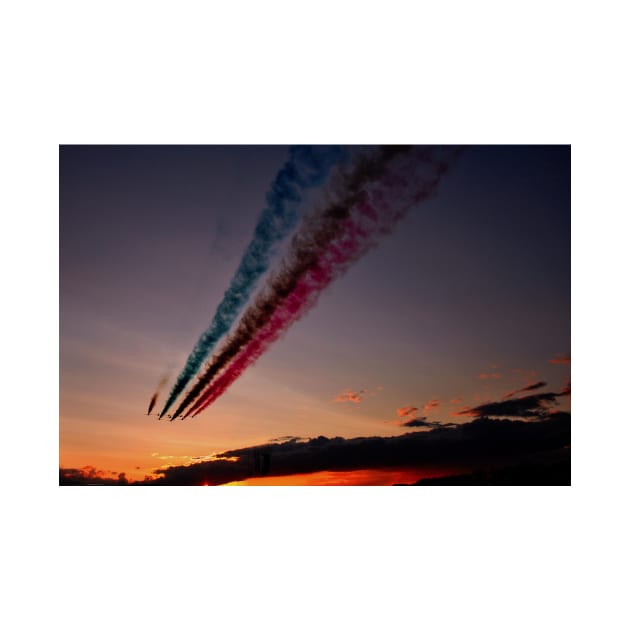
(88, 476)
(479, 442)
(285, 438)
(455, 401)
(527, 388)
(347, 395)
(424, 423)
(432, 404)
(406, 411)
(162, 456)
(486, 375)
(350, 396)
(417, 422)
(534, 406)
(527, 375)
(561, 359)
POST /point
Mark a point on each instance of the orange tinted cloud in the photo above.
(561, 359)
(524, 375)
(406, 411)
(454, 401)
(486, 375)
(350, 396)
(431, 405)
(347, 395)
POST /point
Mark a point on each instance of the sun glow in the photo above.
(364, 477)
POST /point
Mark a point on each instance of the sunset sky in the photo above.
(465, 303)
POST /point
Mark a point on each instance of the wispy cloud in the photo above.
(561, 359)
(423, 422)
(349, 396)
(163, 456)
(432, 404)
(525, 376)
(484, 376)
(285, 438)
(527, 388)
(406, 411)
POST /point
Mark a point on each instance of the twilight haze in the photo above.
(451, 328)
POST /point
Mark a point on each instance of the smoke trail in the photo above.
(152, 403)
(161, 383)
(388, 201)
(318, 229)
(409, 178)
(306, 168)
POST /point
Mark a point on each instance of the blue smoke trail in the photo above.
(306, 168)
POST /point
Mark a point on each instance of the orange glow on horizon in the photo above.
(363, 477)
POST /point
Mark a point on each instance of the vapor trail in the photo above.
(406, 178)
(317, 231)
(152, 403)
(158, 389)
(306, 168)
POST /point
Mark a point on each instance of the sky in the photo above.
(465, 302)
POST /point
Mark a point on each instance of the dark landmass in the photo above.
(550, 473)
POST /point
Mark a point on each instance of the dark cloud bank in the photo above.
(88, 476)
(479, 447)
(549, 468)
(533, 406)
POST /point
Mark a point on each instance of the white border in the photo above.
(252, 72)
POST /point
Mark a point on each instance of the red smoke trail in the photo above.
(386, 201)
